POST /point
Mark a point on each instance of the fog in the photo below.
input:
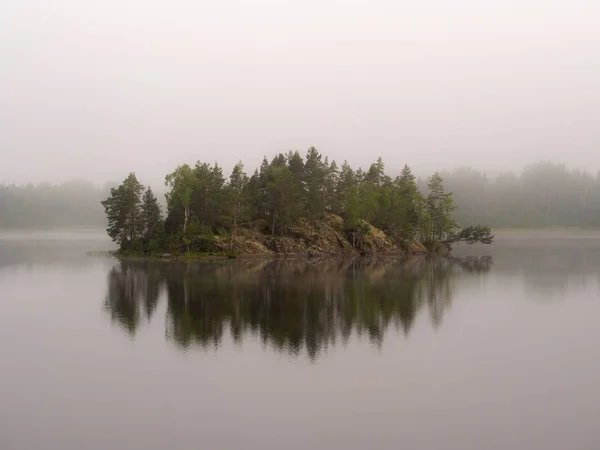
(95, 90)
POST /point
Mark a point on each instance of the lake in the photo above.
(494, 348)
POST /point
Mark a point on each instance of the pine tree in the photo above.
(407, 204)
(296, 164)
(152, 219)
(283, 198)
(209, 199)
(345, 181)
(238, 182)
(440, 208)
(123, 210)
(314, 183)
(376, 172)
(332, 201)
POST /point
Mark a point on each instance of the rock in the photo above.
(246, 243)
(314, 238)
(414, 247)
(376, 241)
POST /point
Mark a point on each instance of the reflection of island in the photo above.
(291, 305)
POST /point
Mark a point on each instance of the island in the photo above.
(289, 206)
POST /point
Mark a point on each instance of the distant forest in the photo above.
(71, 204)
(544, 194)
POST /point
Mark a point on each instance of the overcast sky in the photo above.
(96, 89)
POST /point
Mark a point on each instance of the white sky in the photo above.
(98, 89)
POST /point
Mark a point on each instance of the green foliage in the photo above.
(210, 199)
(124, 213)
(406, 206)
(182, 182)
(332, 201)
(238, 196)
(376, 174)
(314, 175)
(440, 207)
(151, 215)
(283, 198)
(347, 179)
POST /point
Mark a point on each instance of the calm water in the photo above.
(464, 353)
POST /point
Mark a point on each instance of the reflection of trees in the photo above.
(292, 306)
(131, 288)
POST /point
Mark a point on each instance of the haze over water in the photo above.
(464, 353)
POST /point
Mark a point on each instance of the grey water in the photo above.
(496, 347)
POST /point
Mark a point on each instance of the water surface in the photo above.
(471, 352)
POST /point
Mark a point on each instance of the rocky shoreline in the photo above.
(307, 239)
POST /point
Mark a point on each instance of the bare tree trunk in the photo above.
(186, 212)
(273, 224)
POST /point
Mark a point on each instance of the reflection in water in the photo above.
(291, 305)
(549, 263)
(132, 288)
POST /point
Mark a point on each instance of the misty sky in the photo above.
(98, 89)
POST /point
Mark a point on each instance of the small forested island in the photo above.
(289, 206)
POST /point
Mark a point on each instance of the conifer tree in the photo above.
(152, 220)
(124, 213)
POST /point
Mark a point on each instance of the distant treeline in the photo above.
(71, 204)
(544, 194)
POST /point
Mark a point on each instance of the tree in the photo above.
(331, 200)
(295, 164)
(439, 207)
(182, 183)
(345, 181)
(376, 172)
(407, 206)
(152, 220)
(256, 197)
(283, 198)
(124, 213)
(210, 201)
(354, 213)
(315, 171)
(238, 182)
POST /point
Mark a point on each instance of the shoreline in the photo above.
(195, 257)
